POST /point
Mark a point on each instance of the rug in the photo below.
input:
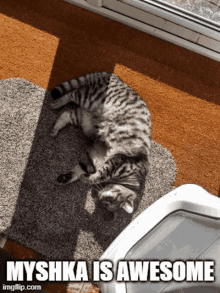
(60, 222)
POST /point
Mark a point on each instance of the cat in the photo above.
(117, 122)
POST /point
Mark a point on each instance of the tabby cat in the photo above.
(118, 124)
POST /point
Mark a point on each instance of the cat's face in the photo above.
(115, 197)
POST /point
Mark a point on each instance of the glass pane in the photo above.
(209, 9)
(180, 236)
(203, 10)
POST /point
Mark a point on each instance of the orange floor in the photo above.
(48, 41)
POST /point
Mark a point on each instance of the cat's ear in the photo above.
(128, 205)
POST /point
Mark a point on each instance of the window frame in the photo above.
(194, 35)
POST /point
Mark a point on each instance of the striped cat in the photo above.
(118, 124)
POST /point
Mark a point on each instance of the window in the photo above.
(193, 24)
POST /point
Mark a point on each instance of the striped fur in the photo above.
(118, 123)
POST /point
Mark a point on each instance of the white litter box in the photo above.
(183, 225)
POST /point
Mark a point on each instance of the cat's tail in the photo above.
(72, 96)
(67, 87)
(80, 89)
(69, 91)
(79, 82)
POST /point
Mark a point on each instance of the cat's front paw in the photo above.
(57, 104)
(67, 178)
(54, 105)
(53, 132)
(64, 178)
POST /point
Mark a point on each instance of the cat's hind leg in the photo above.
(78, 117)
(64, 119)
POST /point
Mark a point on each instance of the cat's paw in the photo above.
(67, 178)
(53, 132)
(64, 178)
(55, 105)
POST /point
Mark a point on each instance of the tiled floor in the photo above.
(209, 9)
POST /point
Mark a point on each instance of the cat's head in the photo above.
(115, 196)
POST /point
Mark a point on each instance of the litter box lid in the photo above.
(181, 227)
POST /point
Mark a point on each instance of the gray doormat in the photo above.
(60, 222)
